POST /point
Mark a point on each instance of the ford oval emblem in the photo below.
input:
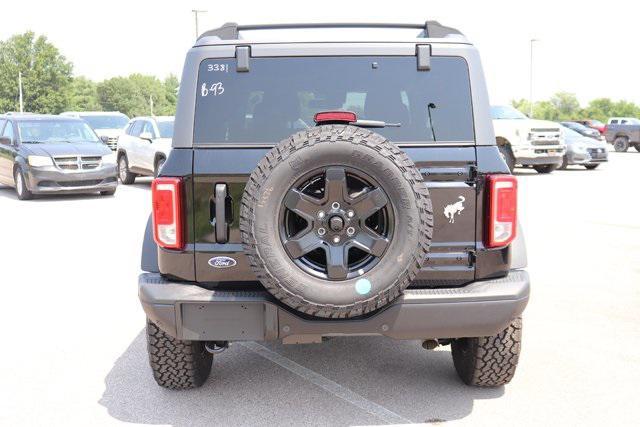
(222, 262)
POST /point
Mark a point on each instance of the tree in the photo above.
(133, 95)
(599, 109)
(46, 74)
(566, 106)
(83, 95)
(171, 85)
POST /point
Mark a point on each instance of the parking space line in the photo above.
(332, 387)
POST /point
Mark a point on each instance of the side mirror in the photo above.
(104, 139)
(146, 136)
(4, 140)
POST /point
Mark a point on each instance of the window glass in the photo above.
(136, 128)
(280, 96)
(8, 131)
(166, 128)
(55, 131)
(148, 128)
(104, 121)
(506, 112)
(2, 122)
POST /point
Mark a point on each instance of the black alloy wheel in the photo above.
(336, 223)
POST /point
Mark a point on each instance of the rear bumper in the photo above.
(190, 312)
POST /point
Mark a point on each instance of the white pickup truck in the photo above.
(527, 142)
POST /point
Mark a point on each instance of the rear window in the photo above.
(279, 96)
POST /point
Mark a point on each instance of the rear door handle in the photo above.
(222, 229)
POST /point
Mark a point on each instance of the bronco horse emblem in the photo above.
(451, 210)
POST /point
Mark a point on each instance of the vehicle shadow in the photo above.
(140, 184)
(247, 389)
(10, 193)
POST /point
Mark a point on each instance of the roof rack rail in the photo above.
(231, 30)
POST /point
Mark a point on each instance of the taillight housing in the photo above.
(166, 199)
(335, 117)
(502, 210)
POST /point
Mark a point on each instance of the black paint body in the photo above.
(457, 255)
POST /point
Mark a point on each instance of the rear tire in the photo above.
(621, 144)
(488, 361)
(637, 147)
(177, 364)
(125, 175)
(507, 156)
(545, 168)
(21, 185)
(590, 167)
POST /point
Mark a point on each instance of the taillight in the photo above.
(503, 204)
(166, 198)
(335, 117)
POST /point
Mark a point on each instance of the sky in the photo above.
(590, 49)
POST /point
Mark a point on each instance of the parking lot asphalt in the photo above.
(73, 345)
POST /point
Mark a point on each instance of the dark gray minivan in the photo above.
(47, 154)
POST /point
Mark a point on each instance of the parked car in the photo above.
(583, 130)
(582, 150)
(593, 124)
(527, 142)
(46, 154)
(623, 136)
(400, 221)
(109, 124)
(623, 121)
(144, 147)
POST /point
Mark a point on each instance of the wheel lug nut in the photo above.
(335, 205)
(321, 231)
(351, 231)
(351, 214)
(336, 239)
(321, 214)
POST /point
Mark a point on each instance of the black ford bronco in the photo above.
(333, 188)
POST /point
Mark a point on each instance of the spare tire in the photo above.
(336, 221)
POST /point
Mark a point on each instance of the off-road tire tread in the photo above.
(177, 364)
(326, 135)
(489, 361)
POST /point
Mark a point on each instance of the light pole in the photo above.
(20, 91)
(195, 13)
(531, 42)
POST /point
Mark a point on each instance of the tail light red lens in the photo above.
(335, 116)
(166, 198)
(503, 210)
